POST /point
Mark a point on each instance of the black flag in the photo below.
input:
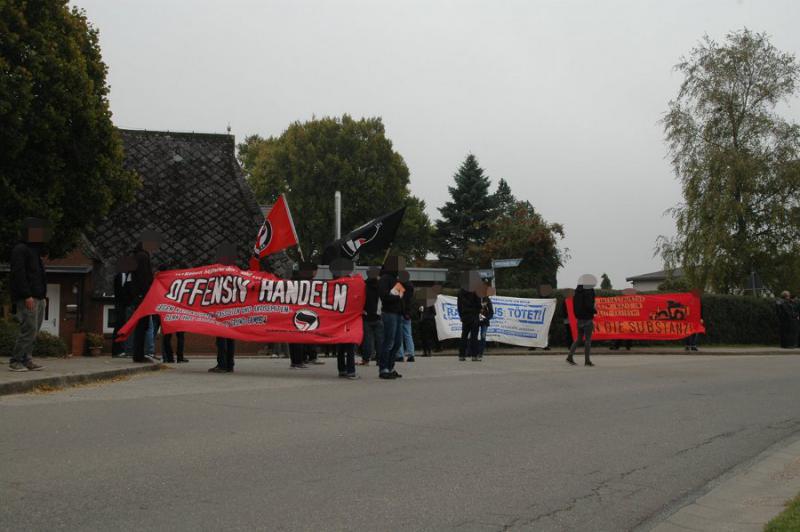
(375, 235)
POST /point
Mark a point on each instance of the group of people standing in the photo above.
(788, 311)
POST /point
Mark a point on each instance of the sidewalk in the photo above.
(745, 501)
(63, 372)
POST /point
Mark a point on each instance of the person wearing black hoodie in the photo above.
(469, 309)
(584, 309)
(390, 291)
(28, 291)
(140, 284)
(373, 327)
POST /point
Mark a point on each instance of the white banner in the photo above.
(516, 321)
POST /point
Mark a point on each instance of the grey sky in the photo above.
(560, 98)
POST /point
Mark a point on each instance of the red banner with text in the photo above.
(643, 317)
(254, 306)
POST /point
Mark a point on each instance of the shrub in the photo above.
(46, 344)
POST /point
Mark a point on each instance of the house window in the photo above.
(109, 319)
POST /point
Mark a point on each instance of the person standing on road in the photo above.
(584, 309)
(141, 281)
(28, 291)
(122, 303)
(408, 309)
(469, 309)
(345, 353)
(373, 327)
(485, 319)
(787, 320)
(390, 291)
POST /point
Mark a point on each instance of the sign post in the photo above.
(503, 263)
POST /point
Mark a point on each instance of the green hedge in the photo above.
(46, 345)
(728, 319)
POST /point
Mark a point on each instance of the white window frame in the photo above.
(107, 328)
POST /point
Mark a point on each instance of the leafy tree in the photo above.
(312, 160)
(504, 200)
(60, 155)
(524, 233)
(465, 223)
(605, 282)
(737, 161)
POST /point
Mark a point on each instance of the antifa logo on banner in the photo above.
(351, 247)
(306, 320)
(264, 237)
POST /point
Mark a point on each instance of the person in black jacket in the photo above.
(584, 309)
(28, 291)
(140, 283)
(123, 302)
(390, 291)
(345, 353)
(485, 319)
(787, 320)
(469, 309)
(373, 327)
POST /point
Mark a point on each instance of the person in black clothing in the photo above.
(427, 325)
(141, 281)
(28, 291)
(302, 354)
(167, 354)
(345, 353)
(787, 320)
(584, 309)
(226, 347)
(469, 309)
(390, 291)
(373, 327)
(123, 300)
(485, 319)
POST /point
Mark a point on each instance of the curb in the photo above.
(67, 381)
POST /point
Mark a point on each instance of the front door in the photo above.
(52, 310)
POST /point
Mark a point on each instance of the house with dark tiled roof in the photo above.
(193, 194)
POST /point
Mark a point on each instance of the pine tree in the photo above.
(464, 226)
(504, 199)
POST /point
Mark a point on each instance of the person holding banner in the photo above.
(345, 353)
(141, 280)
(584, 308)
(485, 318)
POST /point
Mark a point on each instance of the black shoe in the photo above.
(588, 363)
(182, 360)
(410, 359)
(395, 375)
(386, 376)
(169, 360)
(694, 349)
(217, 369)
(570, 361)
(474, 359)
(298, 366)
(142, 361)
(462, 359)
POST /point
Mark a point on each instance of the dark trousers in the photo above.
(469, 339)
(373, 340)
(392, 332)
(166, 344)
(225, 351)
(429, 339)
(139, 338)
(346, 358)
(585, 328)
(296, 354)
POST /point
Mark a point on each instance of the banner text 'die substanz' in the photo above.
(644, 317)
(228, 302)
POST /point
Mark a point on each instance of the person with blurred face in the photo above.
(373, 327)
(226, 347)
(142, 279)
(345, 353)
(390, 291)
(584, 308)
(469, 308)
(28, 291)
(123, 303)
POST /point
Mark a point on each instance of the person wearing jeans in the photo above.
(486, 315)
(373, 327)
(390, 291)
(584, 310)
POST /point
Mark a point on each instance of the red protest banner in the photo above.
(643, 317)
(225, 301)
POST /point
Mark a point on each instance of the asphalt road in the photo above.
(512, 443)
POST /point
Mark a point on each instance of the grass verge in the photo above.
(788, 520)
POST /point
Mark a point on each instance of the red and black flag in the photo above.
(277, 232)
(375, 235)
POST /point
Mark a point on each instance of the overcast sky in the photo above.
(560, 98)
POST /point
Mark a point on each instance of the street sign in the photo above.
(505, 263)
